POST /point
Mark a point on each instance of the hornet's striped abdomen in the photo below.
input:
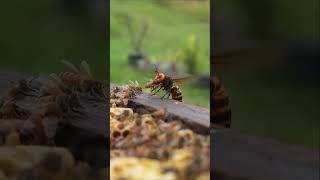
(221, 109)
(176, 93)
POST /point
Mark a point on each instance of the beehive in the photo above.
(143, 145)
(37, 113)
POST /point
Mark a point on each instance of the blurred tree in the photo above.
(137, 54)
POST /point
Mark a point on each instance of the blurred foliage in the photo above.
(195, 8)
(136, 38)
(191, 54)
(272, 19)
(175, 57)
(264, 101)
(271, 107)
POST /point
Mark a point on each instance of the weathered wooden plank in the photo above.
(239, 156)
(197, 118)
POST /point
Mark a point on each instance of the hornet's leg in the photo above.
(156, 91)
(155, 87)
(165, 95)
(168, 95)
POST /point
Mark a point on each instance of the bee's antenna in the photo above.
(85, 68)
(55, 77)
(70, 65)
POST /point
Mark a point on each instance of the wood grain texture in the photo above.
(197, 118)
(240, 156)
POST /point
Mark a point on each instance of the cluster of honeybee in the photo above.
(34, 108)
(79, 80)
(32, 112)
(120, 95)
(167, 150)
(14, 116)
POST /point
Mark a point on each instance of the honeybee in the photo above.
(131, 90)
(46, 121)
(78, 79)
(160, 113)
(166, 83)
(10, 109)
(22, 88)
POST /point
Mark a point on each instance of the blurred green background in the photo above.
(273, 80)
(36, 35)
(171, 24)
(271, 107)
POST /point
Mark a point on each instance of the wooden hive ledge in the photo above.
(195, 117)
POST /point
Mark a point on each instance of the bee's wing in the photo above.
(135, 83)
(70, 65)
(240, 56)
(55, 77)
(85, 68)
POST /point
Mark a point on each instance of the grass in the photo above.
(169, 28)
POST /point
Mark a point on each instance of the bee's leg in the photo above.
(28, 94)
(77, 111)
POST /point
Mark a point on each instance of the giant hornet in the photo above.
(166, 83)
(220, 100)
(220, 103)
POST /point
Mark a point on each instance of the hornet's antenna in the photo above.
(156, 68)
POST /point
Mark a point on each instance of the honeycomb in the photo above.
(144, 145)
